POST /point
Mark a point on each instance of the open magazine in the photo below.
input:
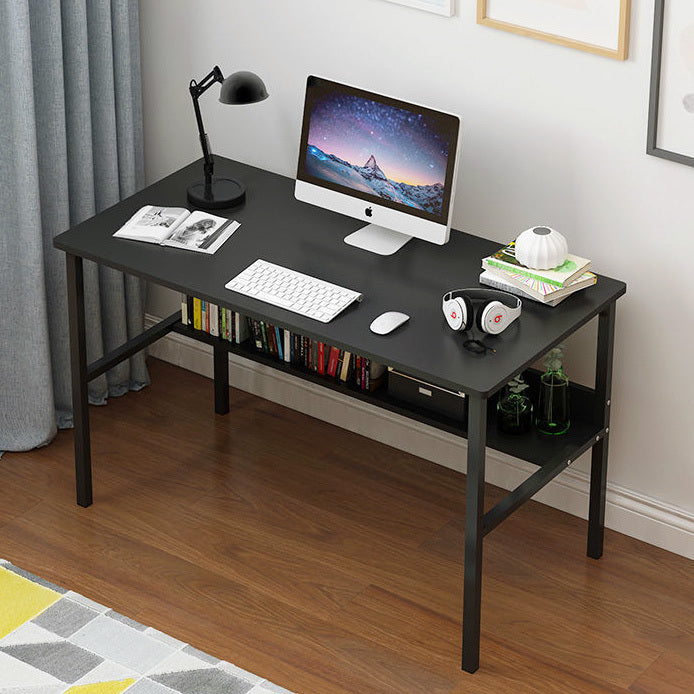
(175, 226)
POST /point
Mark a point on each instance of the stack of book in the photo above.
(284, 345)
(214, 320)
(316, 356)
(501, 270)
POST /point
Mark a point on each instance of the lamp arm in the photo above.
(197, 89)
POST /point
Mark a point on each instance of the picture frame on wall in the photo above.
(442, 7)
(596, 26)
(671, 102)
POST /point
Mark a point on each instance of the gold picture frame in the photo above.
(618, 50)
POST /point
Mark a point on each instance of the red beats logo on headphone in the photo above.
(454, 315)
(497, 318)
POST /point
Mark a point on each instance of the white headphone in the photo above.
(493, 317)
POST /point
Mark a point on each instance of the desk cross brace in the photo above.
(528, 488)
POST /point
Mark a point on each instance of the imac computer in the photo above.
(379, 159)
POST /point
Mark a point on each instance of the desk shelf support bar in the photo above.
(78, 364)
(598, 469)
(133, 346)
(533, 484)
(474, 531)
(221, 379)
(522, 493)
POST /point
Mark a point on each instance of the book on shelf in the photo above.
(239, 327)
(529, 288)
(197, 313)
(205, 315)
(345, 370)
(331, 369)
(287, 346)
(213, 313)
(213, 319)
(175, 226)
(320, 361)
(505, 259)
(184, 309)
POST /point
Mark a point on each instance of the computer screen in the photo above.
(379, 159)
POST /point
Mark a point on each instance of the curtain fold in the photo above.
(70, 146)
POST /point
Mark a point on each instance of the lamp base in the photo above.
(221, 193)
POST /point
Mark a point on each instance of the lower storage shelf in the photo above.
(538, 449)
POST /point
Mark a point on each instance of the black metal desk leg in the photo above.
(598, 470)
(78, 364)
(221, 380)
(474, 515)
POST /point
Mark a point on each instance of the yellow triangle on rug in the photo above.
(102, 687)
(21, 600)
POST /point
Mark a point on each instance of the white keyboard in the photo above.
(293, 290)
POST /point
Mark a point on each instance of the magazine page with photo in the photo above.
(175, 226)
(202, 232)
(152, 224)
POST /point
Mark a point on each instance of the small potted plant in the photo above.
(514, 410)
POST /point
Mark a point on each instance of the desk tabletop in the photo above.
(280, 229)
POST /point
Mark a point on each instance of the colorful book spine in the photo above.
(263, 337)
(344, 371)
(271, 340)
(320, 366)
(279, 341)
(332, 361)
(286, 347)
(213, 319)
(197, 313)
(184, 309)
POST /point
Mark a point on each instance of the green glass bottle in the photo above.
(552, 413)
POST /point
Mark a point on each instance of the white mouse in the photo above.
(387, 322)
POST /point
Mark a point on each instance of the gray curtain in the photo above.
(70, 146)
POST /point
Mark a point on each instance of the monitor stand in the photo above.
(377, 239)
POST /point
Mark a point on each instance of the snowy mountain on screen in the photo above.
(373, 168)
(371, 179)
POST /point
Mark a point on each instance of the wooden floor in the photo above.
(331, 564)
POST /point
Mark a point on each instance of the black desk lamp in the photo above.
(239, 88)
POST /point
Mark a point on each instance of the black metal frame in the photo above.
(654, 99)
(477, 523)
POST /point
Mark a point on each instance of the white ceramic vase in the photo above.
(541, 248)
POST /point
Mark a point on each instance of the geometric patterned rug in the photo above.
(54, 641)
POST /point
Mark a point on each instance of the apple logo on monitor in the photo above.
(368, 211)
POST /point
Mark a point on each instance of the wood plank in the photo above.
(670, 674)
(15, 501)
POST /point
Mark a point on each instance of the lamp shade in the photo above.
(242, 87)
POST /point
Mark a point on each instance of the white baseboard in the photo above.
(628, 512)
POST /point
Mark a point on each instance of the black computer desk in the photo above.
(280, 229)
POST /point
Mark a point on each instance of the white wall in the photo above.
(551, 135)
